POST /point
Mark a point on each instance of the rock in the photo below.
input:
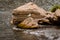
(56, 16)
(31, 11)
(46, 20)
(43, 21)
(57, 12)
(29, 8)
(53, 17)
(22, 12)
(50, 18)
(15, 20)
(28, 23)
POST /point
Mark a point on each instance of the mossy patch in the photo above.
(54, 8)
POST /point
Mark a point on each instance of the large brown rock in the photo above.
(22, 12)
(35, 15)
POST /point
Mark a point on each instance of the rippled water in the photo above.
(37, 34)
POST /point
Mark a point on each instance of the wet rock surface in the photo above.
(6, 32)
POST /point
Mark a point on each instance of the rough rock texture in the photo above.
(28, 23)
(57, 12)
(32, 10)
(29, 8)
(51, 18)
(22, 12)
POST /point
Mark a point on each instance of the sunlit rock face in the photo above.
(24, 11)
